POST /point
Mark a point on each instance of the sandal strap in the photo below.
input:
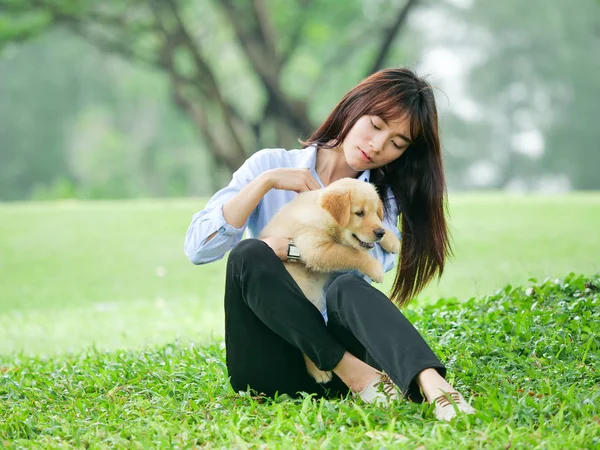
(448, 398)
(387, 385)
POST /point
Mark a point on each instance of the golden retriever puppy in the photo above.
(334, 228)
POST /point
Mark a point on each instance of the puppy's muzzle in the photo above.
(379, 233)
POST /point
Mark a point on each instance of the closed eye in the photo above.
(360, 213)
(399, 147)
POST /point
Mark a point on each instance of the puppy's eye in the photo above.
(360, 213)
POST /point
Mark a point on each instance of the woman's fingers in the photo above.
(298, 180)
(312, 184)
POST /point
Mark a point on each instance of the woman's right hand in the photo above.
(297, 180)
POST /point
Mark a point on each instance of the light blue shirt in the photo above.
(211, 220)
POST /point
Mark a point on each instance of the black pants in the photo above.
(269, 323)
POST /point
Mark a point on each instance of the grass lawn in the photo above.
(529, 360)
(113, 274)
(109, 337)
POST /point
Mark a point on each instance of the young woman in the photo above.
(384, 131)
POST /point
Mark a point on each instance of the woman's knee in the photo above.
(250, 256)
(249, 249)
(342, 286)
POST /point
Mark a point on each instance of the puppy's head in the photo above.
(356, 210)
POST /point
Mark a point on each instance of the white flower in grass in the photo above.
(529, 292)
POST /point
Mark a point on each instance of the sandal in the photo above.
(381, 391)
(449, 404)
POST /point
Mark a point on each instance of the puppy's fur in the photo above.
(333, 228)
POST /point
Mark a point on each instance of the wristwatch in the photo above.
(293, 255)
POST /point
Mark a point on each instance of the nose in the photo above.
(375, 144)
(379, 232)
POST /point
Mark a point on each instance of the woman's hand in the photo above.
(279, 245)
(297, 180)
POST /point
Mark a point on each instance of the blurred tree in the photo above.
(534, 75)
(234, 65)
(65, 104)
(37, 106)
(249, 74)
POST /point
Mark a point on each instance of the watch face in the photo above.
(293, 251)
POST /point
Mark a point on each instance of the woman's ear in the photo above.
(337, 203)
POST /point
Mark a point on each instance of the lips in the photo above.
(365, 156)
(363, 243)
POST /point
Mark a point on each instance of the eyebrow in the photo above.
(408, 141)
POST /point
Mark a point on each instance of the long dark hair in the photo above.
(416, 178)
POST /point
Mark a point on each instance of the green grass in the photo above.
(113, 274)
(109, 337)
(110, 274)
(529, 359)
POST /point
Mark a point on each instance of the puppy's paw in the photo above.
(319, 375)
(375, 271)
(390, 243)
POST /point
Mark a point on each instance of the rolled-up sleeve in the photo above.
(210, 220)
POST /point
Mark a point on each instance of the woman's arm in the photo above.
(237, 210)
(209, 235)
(220, 226)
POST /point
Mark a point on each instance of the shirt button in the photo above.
(222, 230)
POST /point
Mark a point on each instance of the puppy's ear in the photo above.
(337, 203)
(380, 210)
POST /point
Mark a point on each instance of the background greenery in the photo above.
(109, 337)
(141, 98)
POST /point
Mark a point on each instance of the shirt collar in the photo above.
(310, 162)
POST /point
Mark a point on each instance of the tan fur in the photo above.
(322, 224)
(336, 203)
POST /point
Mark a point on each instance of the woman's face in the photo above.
(373, 143)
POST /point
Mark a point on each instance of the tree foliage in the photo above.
(145, 97)
(192, 43)
(535, 82)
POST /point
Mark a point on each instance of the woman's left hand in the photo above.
(279, 245)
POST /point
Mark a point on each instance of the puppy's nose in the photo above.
(379, 232)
